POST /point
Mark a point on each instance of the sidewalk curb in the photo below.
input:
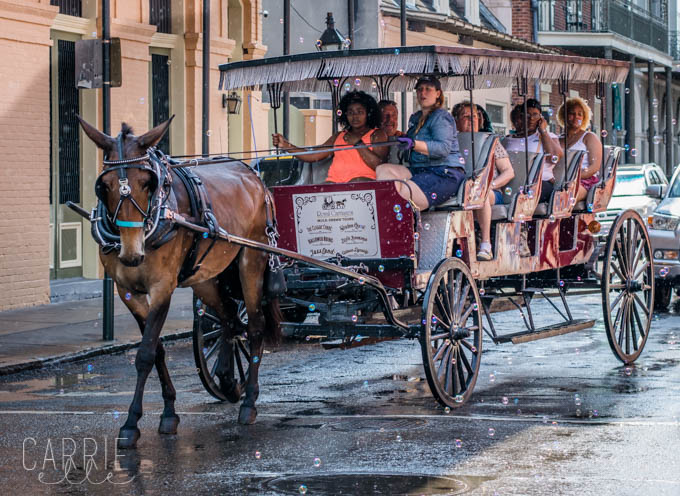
(84, 354)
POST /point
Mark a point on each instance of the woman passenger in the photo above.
(468, 121)
(539, 140)
(435, 168)
(360, 118)
(578, 138)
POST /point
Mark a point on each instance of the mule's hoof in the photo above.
(247, 415)
(168, 425)
(127, 438)
(233, 393)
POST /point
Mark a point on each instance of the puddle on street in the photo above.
(33, 389)
(370, 484)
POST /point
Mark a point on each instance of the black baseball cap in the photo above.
(431, 80)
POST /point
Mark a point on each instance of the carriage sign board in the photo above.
(328, 223)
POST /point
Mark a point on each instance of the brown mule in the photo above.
(146, 278)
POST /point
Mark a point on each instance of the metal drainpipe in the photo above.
(534, 15)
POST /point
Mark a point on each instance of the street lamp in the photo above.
(331, 37)
(232, 103)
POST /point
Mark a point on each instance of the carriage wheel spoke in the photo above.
(243, 349)
(213, 369)
(212, 318)
(212, 349)
(617, 300)
(642, 305)
(618, 271)
(449, 379)
(209, 336)
(631, 236)
(441, 370)
(638, 253)
(623, 264)
(463, 298)
(466, 314)
(641, 270)
(636, 340)
(239, 364)
(442, 300)
(466, 362)
(437, 356)
(441, 335)
(455, 296)
(628, 326)
(445, 315)
(639, 319)
(460, 373)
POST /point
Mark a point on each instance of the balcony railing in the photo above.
(644, 25)
(68, 7)
(674, 45)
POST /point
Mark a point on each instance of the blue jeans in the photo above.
(438, 183)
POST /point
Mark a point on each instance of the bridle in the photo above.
(158, 189)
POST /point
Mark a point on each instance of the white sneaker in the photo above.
(484, 252)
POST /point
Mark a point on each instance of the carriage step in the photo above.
(546, 332)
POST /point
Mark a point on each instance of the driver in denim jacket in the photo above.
(436, 168)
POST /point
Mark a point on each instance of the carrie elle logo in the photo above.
(66, 460)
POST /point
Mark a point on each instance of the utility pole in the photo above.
(350, 23)
(107, 290)
(404, 121)
(286, 51)
(205, 141)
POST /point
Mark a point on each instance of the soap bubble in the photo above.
(657, 139)
(396, 51)
(508, 190)
(401, 71)
(400, 216)
(317, 462)
(458, 398)
(338, 112)
(354, 318)
(258, 455)
(302, 489)
(458, 443)
(128, 296)
(492, 432)
(357, 82)
(416, 236)
(302, 40)
(381, 268)
(426, 227)
(655, 102)
(459, 253)
(627, 91)
(434, 196)
(492, 378)
(554, 159)
(604, 133)
(312, 307)
(318, 43)
(336, 82)
(504, 400)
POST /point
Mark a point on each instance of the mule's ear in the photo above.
(103, 141)
(153, 136)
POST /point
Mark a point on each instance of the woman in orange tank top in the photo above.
(360, 118)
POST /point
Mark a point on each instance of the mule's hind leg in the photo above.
(252, 265)
(226, 310)
(169, 419)
(144, 362)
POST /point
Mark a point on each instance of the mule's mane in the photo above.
(126, 130)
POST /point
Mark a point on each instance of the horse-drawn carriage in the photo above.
(362, 264)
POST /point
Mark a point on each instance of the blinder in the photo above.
(121, 167)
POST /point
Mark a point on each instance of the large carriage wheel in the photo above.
(627, 286)
(207, 344)
(451, 336)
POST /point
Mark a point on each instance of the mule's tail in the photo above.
(272, 311)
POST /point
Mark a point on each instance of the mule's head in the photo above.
(126, 188)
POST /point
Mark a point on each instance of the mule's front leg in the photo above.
(146, 358)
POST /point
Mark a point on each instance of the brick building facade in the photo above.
(47, 160)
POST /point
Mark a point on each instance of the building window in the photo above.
(497, 115)
(68, 7)
(159, 15)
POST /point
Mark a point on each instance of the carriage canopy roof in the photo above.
(491, 68)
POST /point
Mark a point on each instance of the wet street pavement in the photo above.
(557, 416)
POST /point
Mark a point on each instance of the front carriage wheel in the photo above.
(627, 286)
(207, 344)
(451, 335)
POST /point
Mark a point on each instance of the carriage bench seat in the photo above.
(521, 194)
(599, 195)
(472, 192)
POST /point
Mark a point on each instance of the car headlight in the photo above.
(663, 222)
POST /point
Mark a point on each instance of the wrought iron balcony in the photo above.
(674, 45)
(644, 25)
(68, 7)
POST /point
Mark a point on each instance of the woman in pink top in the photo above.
(360, 118)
